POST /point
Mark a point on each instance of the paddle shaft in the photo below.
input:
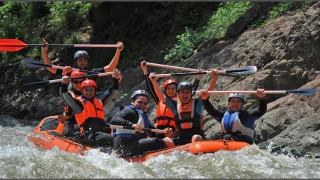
(145, 129)
(16, 45)
(311, 92)
(245, 70)
(59, 45)
(182, 74)
(86, 76)
(172, 67)
(37, 64)
(243, 92)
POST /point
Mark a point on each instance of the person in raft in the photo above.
(81, 60)
(165, 117)
(71, 128)
(236, 123)
(130, 143)
(89, 114)
(187, 110)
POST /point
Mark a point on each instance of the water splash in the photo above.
(20, 158)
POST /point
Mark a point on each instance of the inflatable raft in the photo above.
(48, 134)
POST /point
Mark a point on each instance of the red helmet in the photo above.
(169, 81)
(77, 74)
(88, 82)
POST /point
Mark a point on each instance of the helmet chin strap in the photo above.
(182, 103)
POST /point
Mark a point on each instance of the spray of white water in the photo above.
(20, 158)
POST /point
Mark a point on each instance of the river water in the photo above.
(20, 158)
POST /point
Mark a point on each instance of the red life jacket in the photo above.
(165, 116)
(92, 116)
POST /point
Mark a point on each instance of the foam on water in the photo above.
(20, 158)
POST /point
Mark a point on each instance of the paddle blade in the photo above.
(309, 92)
(243, 70)
(29, 84)
(11, 45)
(34, 64)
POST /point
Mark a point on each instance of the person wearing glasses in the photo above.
(89, 114)
(236, 123)
(71, 128)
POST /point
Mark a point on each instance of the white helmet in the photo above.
(241, 96)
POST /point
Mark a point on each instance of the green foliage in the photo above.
(16, 19)
(74, 39)
(28, 22)
(227, 13)
(65, 16)
(280, 9)
(123, 95)
(184, 46)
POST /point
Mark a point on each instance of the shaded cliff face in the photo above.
(286, 53)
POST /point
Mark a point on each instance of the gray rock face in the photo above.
(286, 53)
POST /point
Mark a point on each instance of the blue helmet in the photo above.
(139, 92)
(241, 96)
(81, 53)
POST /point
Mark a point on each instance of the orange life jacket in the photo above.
(186, 117)
(92, 115)
(165, 116)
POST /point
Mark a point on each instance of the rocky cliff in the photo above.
(286, 53)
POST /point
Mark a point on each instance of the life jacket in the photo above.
(92, 116)
(165, 116)
(231, 124)
(143, 121)
(186, 117)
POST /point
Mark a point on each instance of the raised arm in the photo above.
(46, 59)
(114, 62)
(72, 102)
(112, 92)
(214, 74)
(157, 89)
(148, 82)
(262, 109)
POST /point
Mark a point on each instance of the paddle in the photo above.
(16, 45)
(309, 92)
(237, 71)
(145, 129)
(29, 84)
(37, 64)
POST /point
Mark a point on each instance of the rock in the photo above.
(259, 9)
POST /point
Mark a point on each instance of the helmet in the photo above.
(139, 92)
(88, 82)
(81, 54)
(241, 96)
(77, 74)
(169, 81)
(184, 85)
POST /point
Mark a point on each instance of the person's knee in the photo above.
(105, 139)
(196, 138)
(169, 143)
(151, 144)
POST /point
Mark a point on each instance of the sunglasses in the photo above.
(77, 82)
